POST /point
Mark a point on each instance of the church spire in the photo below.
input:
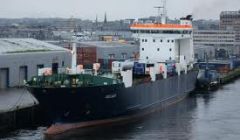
(96, 20)
(105, 18)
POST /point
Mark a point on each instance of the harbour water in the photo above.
(202, 116)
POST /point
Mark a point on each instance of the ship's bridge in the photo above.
(164, 42)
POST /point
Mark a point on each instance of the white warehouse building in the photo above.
(20, 60)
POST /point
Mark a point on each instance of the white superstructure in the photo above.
(165, 42)
(165, 49)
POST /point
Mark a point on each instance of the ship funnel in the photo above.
(186, 20)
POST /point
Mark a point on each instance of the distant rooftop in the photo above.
(104, 44)
(19, 45)
(230, 13)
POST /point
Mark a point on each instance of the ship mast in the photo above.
(73, 40)
(162, 14)
(74, 56)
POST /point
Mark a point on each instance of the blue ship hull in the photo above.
(74, 105)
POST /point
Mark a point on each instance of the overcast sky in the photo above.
(115, 9)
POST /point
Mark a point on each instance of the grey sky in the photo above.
(116, 9)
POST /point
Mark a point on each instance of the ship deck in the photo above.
(71, 81)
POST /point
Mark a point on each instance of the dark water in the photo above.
(203, 116)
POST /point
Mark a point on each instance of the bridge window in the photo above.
(158, 49)
(154, 40)
(145, 31)
(156, 31)
(134, 31)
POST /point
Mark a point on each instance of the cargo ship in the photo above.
(163, 75)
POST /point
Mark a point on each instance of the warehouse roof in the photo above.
(19, 45)
(104, 44)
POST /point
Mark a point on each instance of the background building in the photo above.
(20, 59)
(104, 52)
(230, 20)
(223, 41)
